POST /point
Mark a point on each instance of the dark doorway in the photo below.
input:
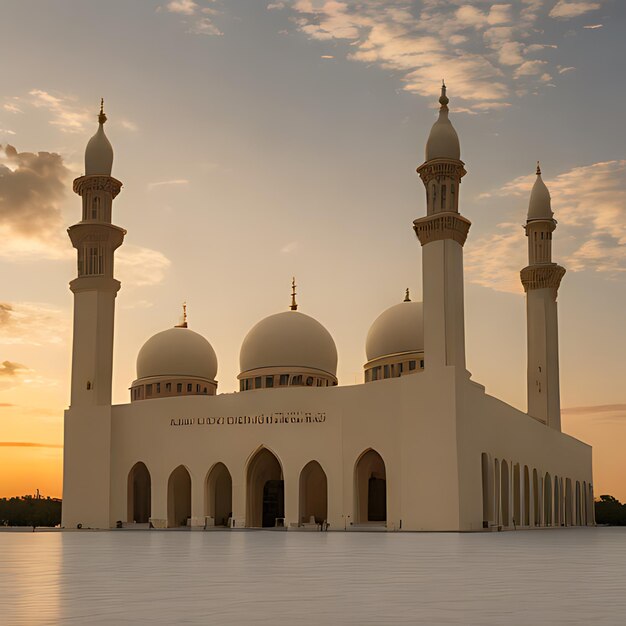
(377, 500)
(273, 502)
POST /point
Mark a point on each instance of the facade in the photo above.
(419, 446)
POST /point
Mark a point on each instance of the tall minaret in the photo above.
(541, 280)
(87, 424)
(442, 234)
(96, 239)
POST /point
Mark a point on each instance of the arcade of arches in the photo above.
(265, 494)
(518, 496)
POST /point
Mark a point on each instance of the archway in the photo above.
(505, 494)
(178, 497)
(536, 499)
(556, 510)
(578, 516)
(139, 494)
(584, 503)
(370, 488)
(496, 491)
(218, 495)
(487, 483)
(526, 496)
(568, 502)
(547, 500)
(517, 517)
(265, 491)
(313, 493)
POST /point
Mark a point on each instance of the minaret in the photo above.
(541, 280)
(87, 426)
(442, 234)
(96, 239)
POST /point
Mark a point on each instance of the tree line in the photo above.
(611, 511)
(30, 511)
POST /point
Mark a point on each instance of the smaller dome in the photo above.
(177, 351)
(99, 152)
(539, 207)
(398, 329)
(443, 142)
(289, 339)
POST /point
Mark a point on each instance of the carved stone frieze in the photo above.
(542, 276)
(438, 168)
(442, 226)
(97, 183)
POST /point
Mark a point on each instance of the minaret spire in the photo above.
(442, 233)
(406, 296)
(102, 118)
(183, 321)
(541, 279)
(294, 305)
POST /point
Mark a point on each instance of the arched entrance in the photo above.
(487, 483)
(547, 500)
(505, 493)
(139, 494)
(313, 493)
(370, 480)
(526, 497)
(536, 499)
(265, 491)
(218, 495)
(178, 497)
(517, 517)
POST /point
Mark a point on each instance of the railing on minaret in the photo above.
(442, 234)
(95, 288)
(541, 279)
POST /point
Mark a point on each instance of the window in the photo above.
(95, 208)
(443, 197)
(422, 363)
(309, 381)
(401, 367)
(158, 387)
(248, 384)
(386, 371)
(168, 387)
(297, 380)
(242, 385)
(376, 373)
(92, 263)
(197, 388)
(205, 390)
(284, 379)
(179, 387)
(269, 381)
(411, 365)
(189, 387)
(258, 382)
(148, 390)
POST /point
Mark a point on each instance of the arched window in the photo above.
(443, 197)
(95, 208)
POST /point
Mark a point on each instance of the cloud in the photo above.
(487, 52)
(140, 267)
(598, 408)
(194, 16)
(11, 107)
(275, 6)
(162, 183)
(67, 115)
(4, 405)
(589, 203)
(11, 370)
(566, 9)
(32, 187)
(289, 247)
(28, 444)
(593, 26)
(33, 323)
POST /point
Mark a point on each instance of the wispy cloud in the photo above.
(10, 369)
(11, 107)
(592, 240)
(33, 323)
(487, 51)
(567, 9)
(289, 247)
(164, 183)
(67, 114)
(198, 19)
(598, 408)
(593, 26)
(137, 266)
(28, 444)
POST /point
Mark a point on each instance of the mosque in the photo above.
(419, 446)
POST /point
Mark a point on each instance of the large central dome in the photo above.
(288, 340)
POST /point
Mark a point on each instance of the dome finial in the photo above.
(183, 321)
(102, 118)
(443, 100)
(538, 169)
(294, 306)
(406, 296)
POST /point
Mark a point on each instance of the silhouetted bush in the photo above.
(30, 511)
(610, 511)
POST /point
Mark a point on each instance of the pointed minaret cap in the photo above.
(99, 152)
(443, 142)
(294, 305)
(183, 319)
(539, 207)
(406, 296)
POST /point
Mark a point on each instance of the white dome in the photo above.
(177, 352)
(289, 339)
(99, 152)
(398, 329)
(443, 142)
(539, 207)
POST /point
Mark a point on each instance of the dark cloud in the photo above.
(11, 369)
(31, 189)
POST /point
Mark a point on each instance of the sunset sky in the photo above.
(259, 140)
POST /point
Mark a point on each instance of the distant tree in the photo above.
(611, 511)
(30, 511)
